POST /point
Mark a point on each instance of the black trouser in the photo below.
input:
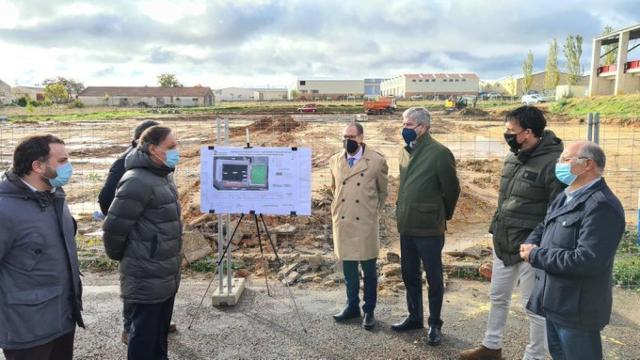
(429, 250)
(56, 349)
(149, 330)
(352, 282)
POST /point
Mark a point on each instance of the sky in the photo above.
(262, 43)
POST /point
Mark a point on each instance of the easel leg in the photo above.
(265, 263)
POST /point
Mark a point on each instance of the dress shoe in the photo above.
(173, 328)
(435, 336)
(407, 324)
(346, 314)
(369, 321)
(481, 353)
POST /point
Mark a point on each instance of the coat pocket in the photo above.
(425, 216)
(562, 296)
(33, 314)
(28, 252)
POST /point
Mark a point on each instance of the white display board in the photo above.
(266, 180)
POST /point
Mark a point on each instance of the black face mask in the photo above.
(350, 145)
(512, 141)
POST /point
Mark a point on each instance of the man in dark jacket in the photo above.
(105, 198)
(427, 196)
(39, 276)
(108, 192)
(527, 186)
(573, 251)
(143, 230)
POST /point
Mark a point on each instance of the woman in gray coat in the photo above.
(143, 230)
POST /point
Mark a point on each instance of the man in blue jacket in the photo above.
(573, 250)
(40, 289)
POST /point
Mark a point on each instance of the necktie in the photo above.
(351, 161)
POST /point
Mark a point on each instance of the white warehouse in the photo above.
(429, 85)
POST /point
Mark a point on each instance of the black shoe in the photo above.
(346, 314)
(369, 321)
(435, 336)
(407, 324)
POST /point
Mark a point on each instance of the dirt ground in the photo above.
(263, 327)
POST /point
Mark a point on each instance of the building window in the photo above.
(414, 80)
(457, 80)
(303, 83)
(315, 91)
(303, 91)
(464, 79)
(419, 80)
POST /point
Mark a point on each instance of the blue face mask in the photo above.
(409, 135)
(563, 173)
(173, 157)
(63, 174)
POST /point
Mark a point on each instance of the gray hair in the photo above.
(593, 151)
(356, 125)
(418, 114)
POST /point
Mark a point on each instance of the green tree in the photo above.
(73, 87)
(168, 80)
(573, 52)
(295, 94)
(527, 71)
(552, 75)
(56, 93)
(611, 53)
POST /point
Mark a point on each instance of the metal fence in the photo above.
(477, 143)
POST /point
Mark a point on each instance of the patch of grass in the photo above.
(626, 266)
(208, 265)
(626, 107)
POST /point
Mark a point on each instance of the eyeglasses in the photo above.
(567, 159)
(349, 137)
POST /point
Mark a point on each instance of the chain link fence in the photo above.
(476, 141)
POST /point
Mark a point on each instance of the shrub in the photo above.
(76, 104)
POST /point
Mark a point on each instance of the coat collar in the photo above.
(558, 207)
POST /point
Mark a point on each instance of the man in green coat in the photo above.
(427, 197)
(527, 186)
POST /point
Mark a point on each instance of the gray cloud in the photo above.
(330, 38)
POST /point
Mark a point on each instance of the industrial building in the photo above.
(251, 94)
(622, 77)
(329, 89)
(146, 96)
(430, 85)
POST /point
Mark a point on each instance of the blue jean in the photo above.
(352, 282)
(413, 249)
(569, 344)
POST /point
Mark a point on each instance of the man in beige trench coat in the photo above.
(359, 186)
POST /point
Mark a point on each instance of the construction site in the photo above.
(305, 242)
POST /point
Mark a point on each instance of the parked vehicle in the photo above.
(532, 99)
(455, 104)
(380, 106)
(308, 108)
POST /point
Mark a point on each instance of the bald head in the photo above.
(588, 150)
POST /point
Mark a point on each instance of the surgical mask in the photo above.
(350, 145)
(173, 157)
(563, 173)
(512, 141)
(63, 174)
(409, 135)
